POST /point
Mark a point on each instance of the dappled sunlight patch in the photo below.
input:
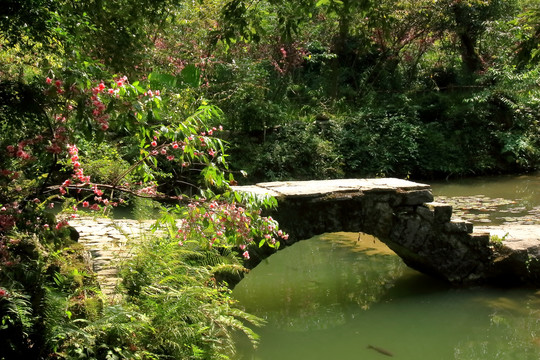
(359, 242)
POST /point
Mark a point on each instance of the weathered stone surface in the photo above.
(315, 188)
(425, 213)
(398, 212)
(417, 197)
(443, 212)
(481, 238)
(516, 253)
(106, 241)
(458, 226)
(403, 215)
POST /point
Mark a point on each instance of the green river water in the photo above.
(338, 295)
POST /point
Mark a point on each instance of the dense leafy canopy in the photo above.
(121, 101)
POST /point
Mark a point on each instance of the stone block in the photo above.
(425, 213)
(416, 197)
(443, 212)
(458, 226)
(481, 238)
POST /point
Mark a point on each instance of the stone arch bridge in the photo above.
(402, 214)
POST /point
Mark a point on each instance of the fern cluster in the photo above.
(185, 294)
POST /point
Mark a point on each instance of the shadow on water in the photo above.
(414, 284)
(337, 297)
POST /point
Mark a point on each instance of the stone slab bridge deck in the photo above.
(402, 214)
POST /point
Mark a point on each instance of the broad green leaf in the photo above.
(191, 75)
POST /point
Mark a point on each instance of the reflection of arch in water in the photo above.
(398, 212)
(318, 284)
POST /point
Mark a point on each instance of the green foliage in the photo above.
(381, 143)
(103, 162)
(296, 151)
(45, 287)
(27, 22)
(189, 307)
(305, 90)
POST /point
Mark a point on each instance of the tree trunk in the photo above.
(467, 37)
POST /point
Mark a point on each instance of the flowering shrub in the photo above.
(167, 157)
(224, 223)
(189, 152)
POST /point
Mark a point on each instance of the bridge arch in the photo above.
(400, 213)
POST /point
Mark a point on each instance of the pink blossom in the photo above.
(153, 143)
(72, 149)
(211, 152)
(22, 154)
(3, 292)
(170, 157)
(85, 204)
(48, 80)
(246, 254)
(61, 224)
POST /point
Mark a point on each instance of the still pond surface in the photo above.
(341, 296)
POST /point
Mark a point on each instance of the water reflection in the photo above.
(316, 289)
(332, 296)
